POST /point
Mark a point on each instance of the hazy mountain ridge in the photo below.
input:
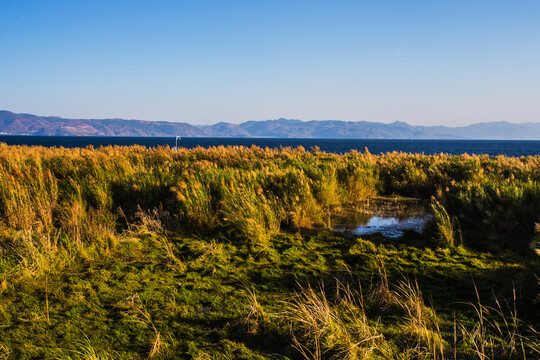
(28, 124)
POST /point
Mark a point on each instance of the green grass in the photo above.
(118, 306)
(225, 253)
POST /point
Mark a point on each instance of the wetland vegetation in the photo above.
(230, 253)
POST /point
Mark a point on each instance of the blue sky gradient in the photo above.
(424, 62)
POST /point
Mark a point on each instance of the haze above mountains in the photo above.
(27, 124)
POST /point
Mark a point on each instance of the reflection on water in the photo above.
(391, 227)
(390, 219)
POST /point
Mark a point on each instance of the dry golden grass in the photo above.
(338, 328)
(496, 333)
(140, 313)
(422, 324)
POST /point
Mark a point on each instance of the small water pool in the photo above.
(391, 227)
(390, 221)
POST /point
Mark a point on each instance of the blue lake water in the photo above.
(375, 146)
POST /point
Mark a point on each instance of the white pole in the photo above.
(176, 147)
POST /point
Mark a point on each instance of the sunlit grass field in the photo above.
(229, 253)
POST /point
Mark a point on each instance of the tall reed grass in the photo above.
(76, 195)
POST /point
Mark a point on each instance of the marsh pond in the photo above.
(389, 217)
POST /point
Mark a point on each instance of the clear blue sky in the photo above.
(425, 62)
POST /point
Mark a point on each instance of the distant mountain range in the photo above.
(27, 124)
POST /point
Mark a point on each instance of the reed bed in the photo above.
(251, 192)
(212, 253)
